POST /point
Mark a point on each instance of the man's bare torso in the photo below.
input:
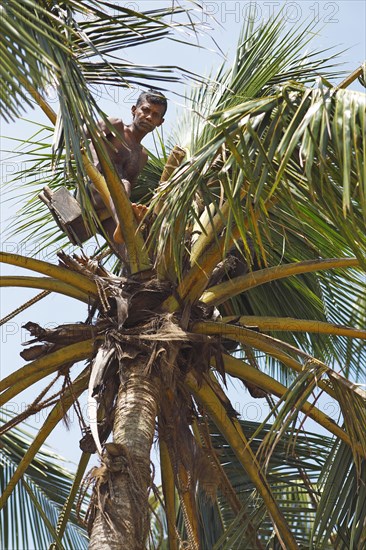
(128, 157)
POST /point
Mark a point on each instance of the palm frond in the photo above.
(243, 84)
(294, 473)
(42, 40)
(341, 511)
(78, 281)
(312, 372)
(233, 433)
(57, 413)
(240, 369)
(17, 381)
(50, 46)
(33, 222)
(247, 135)
(42, 490)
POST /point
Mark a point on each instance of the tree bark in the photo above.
(122, 519)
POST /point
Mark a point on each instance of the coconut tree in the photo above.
(250, 264)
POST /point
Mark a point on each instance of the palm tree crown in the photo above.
(249, 264)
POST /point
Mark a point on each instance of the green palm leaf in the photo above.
(30, 517)
(341, 511)
(293, 472)
(42, 40)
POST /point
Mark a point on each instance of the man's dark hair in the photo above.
(153, 96)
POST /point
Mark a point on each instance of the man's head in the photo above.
(154, 97)
(149, 111)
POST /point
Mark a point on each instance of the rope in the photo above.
(30, 302)
(75, 404)
(33, 408)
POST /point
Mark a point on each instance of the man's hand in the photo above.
(140, 211)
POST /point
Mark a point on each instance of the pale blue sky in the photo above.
(342, 24)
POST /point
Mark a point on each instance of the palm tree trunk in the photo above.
(122, 519)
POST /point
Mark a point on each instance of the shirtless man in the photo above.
(128, 156)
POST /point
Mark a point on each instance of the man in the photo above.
(126, 152)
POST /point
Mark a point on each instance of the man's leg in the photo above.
(109, 227)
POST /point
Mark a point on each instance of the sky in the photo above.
(341, 25)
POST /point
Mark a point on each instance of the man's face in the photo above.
(148, 116)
